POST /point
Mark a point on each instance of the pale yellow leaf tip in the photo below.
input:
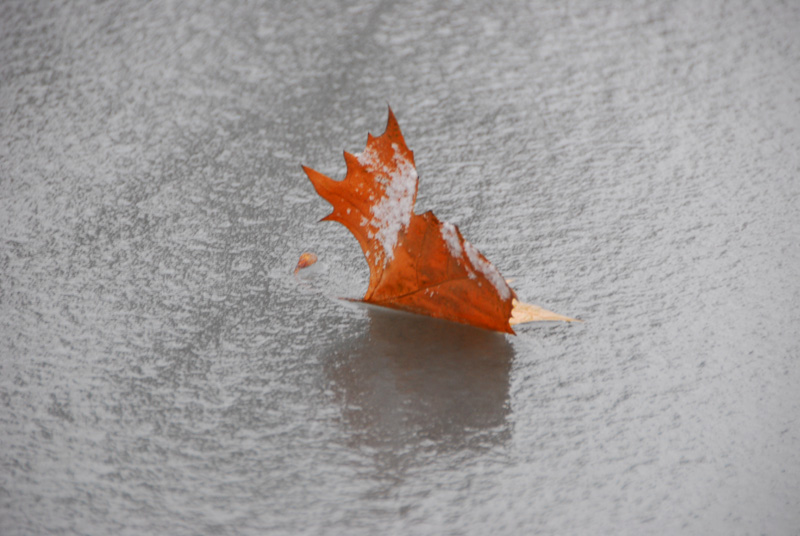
(526, 312)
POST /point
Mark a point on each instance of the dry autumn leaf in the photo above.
(417, 263)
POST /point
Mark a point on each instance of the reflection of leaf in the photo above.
(417, 263)
(409, 380)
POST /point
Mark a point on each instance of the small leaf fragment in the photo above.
(306, 260)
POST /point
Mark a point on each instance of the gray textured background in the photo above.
(633, 164)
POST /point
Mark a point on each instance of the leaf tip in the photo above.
(526, 312)
(351, 161)
(319, 180)
(391, 122)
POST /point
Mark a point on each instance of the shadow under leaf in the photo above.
(413, 384)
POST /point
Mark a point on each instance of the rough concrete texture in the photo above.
(632, 164)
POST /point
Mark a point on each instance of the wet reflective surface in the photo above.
(162, 372)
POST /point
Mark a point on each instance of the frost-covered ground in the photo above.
(635, 165)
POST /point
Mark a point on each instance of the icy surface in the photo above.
(633, 164)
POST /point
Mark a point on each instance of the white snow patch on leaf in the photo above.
(392, 214)
(488, 270)
(450, 237)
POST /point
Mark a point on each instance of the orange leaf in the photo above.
(417, 263)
